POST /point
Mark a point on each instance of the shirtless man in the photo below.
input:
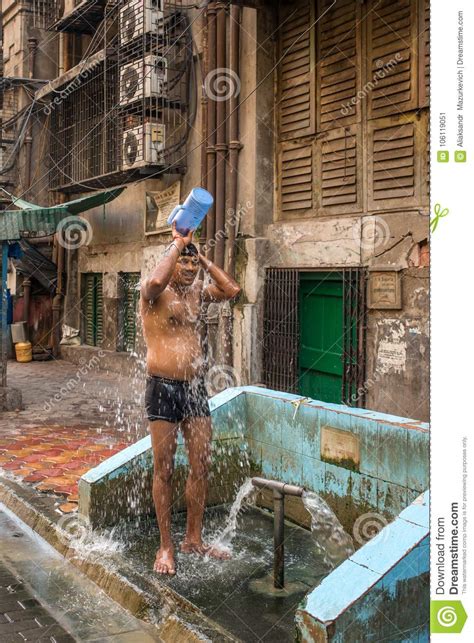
(176, 395)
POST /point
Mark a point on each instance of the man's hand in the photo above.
(177, 235)
(223, 286)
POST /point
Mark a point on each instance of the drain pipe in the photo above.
(221, 138)
(280, 490)
(234, 148)
(234, 142)
(32, 48)
(211, 130)
(204, 70)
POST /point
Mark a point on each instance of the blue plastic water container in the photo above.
(189, 215)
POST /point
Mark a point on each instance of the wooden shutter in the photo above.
(129, 309)
(339, 151)
(99, 310)
(340, 171)
(295, 178)
(296, 70)
(396, 173)
(92, 308)
(392, 45)
(88, 309)
(424, 52)
(338, 63)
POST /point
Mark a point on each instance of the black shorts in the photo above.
(175, 400)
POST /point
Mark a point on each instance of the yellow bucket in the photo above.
(23, 352)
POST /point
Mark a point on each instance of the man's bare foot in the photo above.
(202, 549)
(164, 563)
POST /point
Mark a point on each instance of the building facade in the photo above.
(308, 121)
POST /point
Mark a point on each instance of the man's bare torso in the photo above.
(171, 327)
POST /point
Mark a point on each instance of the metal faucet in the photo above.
(280, 490)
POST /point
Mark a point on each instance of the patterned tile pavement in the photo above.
(65, 430)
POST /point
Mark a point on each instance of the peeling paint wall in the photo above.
(398, 351)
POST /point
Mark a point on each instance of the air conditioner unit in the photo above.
(139, 17)
(143, 145)
(143, 78)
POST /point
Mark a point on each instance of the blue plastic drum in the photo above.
(189, 215)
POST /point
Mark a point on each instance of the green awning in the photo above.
(34, 218)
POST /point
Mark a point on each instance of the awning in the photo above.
(35, 218)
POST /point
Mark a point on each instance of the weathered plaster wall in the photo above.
(285, 443)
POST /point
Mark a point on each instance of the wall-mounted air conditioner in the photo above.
(143, 145)
(145, 78)
(138, 17)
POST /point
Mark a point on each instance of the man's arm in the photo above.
(224, 287)
(153, 286)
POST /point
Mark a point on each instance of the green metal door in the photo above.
(321, 318)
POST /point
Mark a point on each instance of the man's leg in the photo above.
(197, 434)
(163, 441)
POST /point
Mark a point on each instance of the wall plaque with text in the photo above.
(158, 208)
(340, 447)
(385, 290)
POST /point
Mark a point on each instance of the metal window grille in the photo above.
(44, 12)
(128, 116)
(354, 328)
(281, 330)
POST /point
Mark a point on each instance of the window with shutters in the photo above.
(92, 308)
(129, 310)
(352, 79)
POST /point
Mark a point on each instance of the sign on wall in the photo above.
(158, 206)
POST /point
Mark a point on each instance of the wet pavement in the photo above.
(45, 599)
(237, 593)
(74, 418)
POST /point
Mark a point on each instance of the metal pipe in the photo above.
(278, 539)
(32, 47)
(4, 311)
(282, 487)
(280, 490)
(204, 70)
(221, 144)
(231, 222)
(234, 142)
(26, 299)
(211, 131)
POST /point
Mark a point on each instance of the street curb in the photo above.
(174, 618)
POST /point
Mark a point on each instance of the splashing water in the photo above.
(334, 543)
(247, 492)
